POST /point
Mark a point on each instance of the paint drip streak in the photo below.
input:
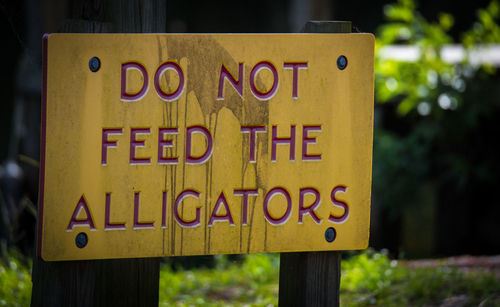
(165, 114)
(211, 178)
(205, 243)
(184, 170)
(243, 171)
(254, 202)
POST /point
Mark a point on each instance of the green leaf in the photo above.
(446, 21)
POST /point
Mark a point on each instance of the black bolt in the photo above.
(330, 234)
(94, 64)
(81, 240)
(341, 62)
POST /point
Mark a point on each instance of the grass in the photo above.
(372, 278)
(15, 280)
(368, 279)
(253, 280)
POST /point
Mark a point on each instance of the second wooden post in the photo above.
(312, 278)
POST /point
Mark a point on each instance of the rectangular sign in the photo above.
(164, 145)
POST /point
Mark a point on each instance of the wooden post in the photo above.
(121, 282)
(312, 278)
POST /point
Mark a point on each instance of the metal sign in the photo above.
(164, 145)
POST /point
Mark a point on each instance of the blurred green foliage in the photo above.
(372, 278)
(15, 280)
(369, 278)
(430, 85)
(252, 280)
(435, 125)
(485, 30)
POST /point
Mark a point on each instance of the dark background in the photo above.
(462, 220)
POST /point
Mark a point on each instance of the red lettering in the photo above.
(267, 199)
(245, 193)
(190, 159)
(107, 213)
(237, 84)
(255, 70)
(178, 200)
(180, 88)
(214, 217)
(276, 140)
(259, 93)
(125, 96)
(137, 143)
(295, 66)
(339, 203)
(75, 221)
(137, 224)
(252, 130)
(162, 143)
(309, 210)
(107, 143)
(309, 140)
(164, 210)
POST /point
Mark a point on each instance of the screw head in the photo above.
(330, 234)
(81, 240)
(341, 62)
(94, 64)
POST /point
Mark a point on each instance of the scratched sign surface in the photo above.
(166, 145)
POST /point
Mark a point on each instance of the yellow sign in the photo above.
(163, 145)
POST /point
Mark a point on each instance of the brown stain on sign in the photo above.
(205, 56)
